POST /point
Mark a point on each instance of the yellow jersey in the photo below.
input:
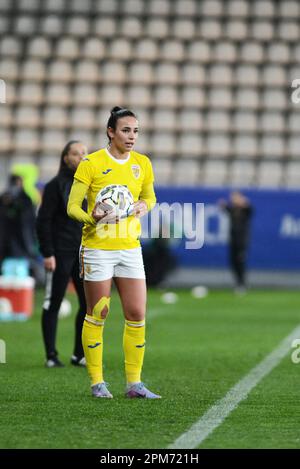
(100, 169)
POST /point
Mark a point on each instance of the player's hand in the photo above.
(104, 213)
(139, 208)
(50, 263)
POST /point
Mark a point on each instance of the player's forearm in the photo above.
(148, 196)
(77, 194)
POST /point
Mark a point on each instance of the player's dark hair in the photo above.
(64, 152)
(117, 113)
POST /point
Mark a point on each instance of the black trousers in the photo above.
(67, 266)
(238, 262)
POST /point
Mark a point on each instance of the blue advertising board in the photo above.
(275, 227)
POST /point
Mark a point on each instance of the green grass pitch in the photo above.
(197, 349)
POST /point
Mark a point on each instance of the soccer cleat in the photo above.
(54, 363)
(140, 390)
(100, 390)
(76, 361)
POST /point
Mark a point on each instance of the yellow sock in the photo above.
(134, 349)
(92, 341)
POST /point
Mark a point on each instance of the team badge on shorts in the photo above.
(136, 170)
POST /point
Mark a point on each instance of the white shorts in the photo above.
(101, 264)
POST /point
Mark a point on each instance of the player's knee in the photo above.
(135, 314)
(101, 309)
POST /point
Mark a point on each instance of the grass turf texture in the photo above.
(196, 351)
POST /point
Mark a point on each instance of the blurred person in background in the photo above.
(240, 212)
(17, 221)
(59, 239)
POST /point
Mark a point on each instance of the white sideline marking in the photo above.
(219, 411)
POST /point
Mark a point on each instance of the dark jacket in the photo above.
(55, 230)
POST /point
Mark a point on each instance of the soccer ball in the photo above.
(118, 197)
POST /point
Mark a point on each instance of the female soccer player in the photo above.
(111, 249)
(59, 239)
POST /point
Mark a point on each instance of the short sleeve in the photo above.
(85, 172)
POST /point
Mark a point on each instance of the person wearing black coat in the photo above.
(59, 240)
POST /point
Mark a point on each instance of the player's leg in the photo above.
(78, 354)
(133, 295)
(56, 284)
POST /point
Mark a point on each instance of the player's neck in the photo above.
(113, 150)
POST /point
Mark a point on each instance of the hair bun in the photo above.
(116, 109)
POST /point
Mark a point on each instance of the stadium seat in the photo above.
(211, 30)
(27, 117)
(269, 174)
(133, 7)
(166, 74)
(87, 71)
(192, 97)
(288, 31)
(85, 94)
(9, 69)
(183, 29)
(272, 122)
(220, 75)
(192, 74)
(164, 119)
(93, 48)
(10, 47)
(25, 26)
(214, 173)
(83, 118)
(293, 147)
(163, 143)
(80, 7)
(211, 8)
(263, 9)
(51, 26)
(272, 147)
(143, 144)
(106, 6)
(241, 173)
(190, 120)
(244, 146)
(294, 122)
(6, 116)
(247, 98)
(225, 52)
(67, 48)
(4, 25)
(172, 50)
(289, 9)
(190, 145)
(58, 94)
(48, 166)
(53, 140)
(220, 97)
(55, 117)
(236, 30)
(274, 99)
(163, 169)
(6, 140)
(33, 70)
(31, 94)
(165, 96)
(245, 121)
(158, 7)
(60, 71)
(199, 51)
(140, 73)
(56, 7)
(131, 28)
(186, 8)
(274, 75)
(110, 95)
(218, 145)
(77, 26)
(247, 75)
(238, 8)
(292, 175)
(218, 121)
(120, 49)
(186, 173)
(138, 95)
(157, 28)
(39, 47)
(104, 27)
(113, 72)
(146, 50)
(262, 31)
(278, 52)
(26, 140)
(252, 52)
